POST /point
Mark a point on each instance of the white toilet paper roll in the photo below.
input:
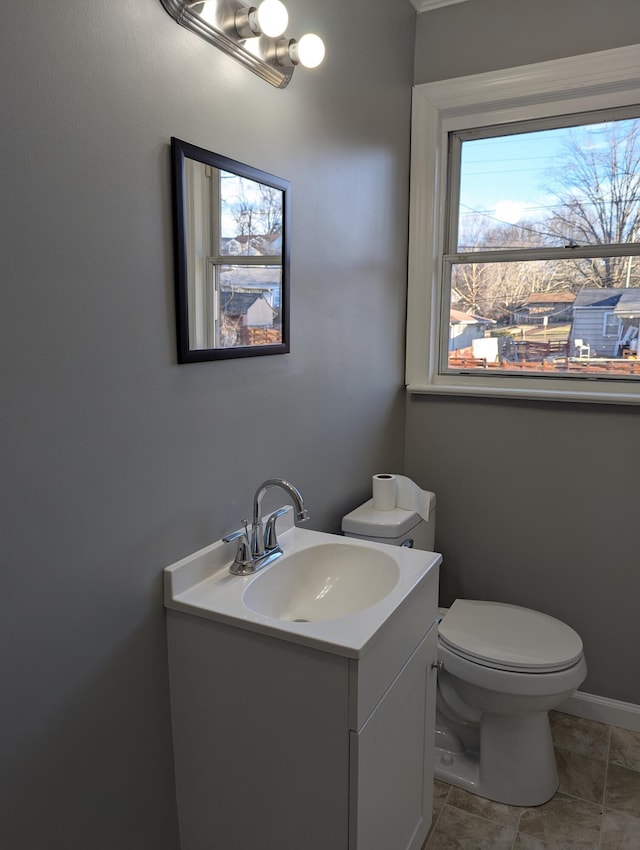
(384, 492)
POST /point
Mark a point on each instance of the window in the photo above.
(612, 326)
(525, 232)
(542, 248)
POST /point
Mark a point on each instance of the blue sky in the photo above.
(509, 178)
(508, 171)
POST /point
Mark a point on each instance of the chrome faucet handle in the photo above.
(243, 563)
(270, 538)
(237, 534)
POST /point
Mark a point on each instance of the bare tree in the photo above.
(270, 209)
(497, 290)
(597, 184)
(244, 213)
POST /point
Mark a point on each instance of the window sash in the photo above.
(456, 138)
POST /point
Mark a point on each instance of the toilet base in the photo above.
(516, 764)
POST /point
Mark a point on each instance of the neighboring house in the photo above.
(246, 309)
(269, 244)
(627, 310)
(230, 247)
(266, 279)
(464, 328)
(552, 306)
(597, 329)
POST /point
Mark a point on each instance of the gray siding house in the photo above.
(596, 329)
(627, 310)
(464, 328)
(606, 322)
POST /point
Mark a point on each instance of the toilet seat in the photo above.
(508, 637)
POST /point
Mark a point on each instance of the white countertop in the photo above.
(201, 584)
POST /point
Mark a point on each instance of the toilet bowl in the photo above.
(501, 668)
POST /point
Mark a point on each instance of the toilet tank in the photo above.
(396, 527)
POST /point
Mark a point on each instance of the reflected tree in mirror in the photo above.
(231, 227)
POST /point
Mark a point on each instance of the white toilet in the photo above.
(501, 668)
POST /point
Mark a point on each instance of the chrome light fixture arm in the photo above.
(234, 28)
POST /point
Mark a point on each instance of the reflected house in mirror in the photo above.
(231, 228)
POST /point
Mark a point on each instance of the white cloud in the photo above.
(509, 211)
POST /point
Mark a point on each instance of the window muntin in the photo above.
(539, 215)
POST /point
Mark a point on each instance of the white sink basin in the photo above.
(327, 592)
(322, 582)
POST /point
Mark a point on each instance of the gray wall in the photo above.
(486, 35)
(116, 461)
(536, 502)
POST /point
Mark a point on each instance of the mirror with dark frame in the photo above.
(231, 230)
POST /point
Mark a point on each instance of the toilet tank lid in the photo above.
(369, 522)
(509, 637)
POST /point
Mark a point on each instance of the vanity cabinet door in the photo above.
(391, 761)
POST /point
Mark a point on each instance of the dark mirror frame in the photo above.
(179, 152)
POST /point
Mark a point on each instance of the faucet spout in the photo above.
(257, 535)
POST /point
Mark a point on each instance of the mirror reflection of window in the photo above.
(248, 300)
(232, 260)
(232, 216)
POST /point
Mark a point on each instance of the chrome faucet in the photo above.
(261, 547)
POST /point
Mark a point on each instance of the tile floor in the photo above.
(597, 806)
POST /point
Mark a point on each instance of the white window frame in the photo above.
(605, 323)
(567, 86)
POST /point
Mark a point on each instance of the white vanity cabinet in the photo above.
(282, 746)
(391, 773)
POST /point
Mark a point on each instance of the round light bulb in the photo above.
(272, 18)
(310, 50)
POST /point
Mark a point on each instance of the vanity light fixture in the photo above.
(254, 35)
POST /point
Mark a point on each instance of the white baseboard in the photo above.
(626, 715)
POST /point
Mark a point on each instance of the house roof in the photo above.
(238, 303)
(629, 303)
(268, 244)
(603, 297)
(457, 317)
(551, 298)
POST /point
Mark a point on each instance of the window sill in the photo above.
(605, 393)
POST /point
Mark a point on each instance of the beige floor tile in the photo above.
(458, 830)
(623, 790)
(528, 842)
(579, 735)
(581, 776)
(487, 809)
(620, 831)
(440, 794)
(573, 819)
(625, 748)
(564, 822)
